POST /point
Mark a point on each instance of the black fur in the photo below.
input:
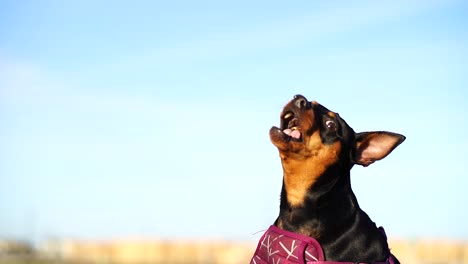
(330, 209)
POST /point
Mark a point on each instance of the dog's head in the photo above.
(312, 139)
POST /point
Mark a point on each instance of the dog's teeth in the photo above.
(288, 115)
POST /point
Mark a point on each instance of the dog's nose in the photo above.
(300, 101)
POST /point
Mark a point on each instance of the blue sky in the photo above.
(151, 119)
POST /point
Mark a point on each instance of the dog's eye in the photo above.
(330, 124)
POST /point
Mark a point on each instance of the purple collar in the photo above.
(278, 246)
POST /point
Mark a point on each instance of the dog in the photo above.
(320, 220)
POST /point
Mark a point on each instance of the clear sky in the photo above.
(151, 118)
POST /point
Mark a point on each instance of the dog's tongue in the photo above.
(292, 133)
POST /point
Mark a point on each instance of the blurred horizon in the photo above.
(150, 119)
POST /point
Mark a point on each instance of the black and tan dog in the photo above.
(318, 149)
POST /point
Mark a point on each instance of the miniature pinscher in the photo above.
(317, 150)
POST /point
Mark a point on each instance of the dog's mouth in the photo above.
(296, 120)
(290, 126)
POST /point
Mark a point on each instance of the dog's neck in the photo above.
(322, 208)
(330, 213)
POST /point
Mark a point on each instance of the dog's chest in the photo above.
(279, 246)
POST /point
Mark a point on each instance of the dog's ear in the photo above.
(372, 146)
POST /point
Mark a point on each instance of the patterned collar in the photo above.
(278, 246)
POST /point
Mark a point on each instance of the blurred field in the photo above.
(192, 252)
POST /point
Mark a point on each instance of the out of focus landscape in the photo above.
(207, 252)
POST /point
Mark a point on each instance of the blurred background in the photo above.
(137, 131)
